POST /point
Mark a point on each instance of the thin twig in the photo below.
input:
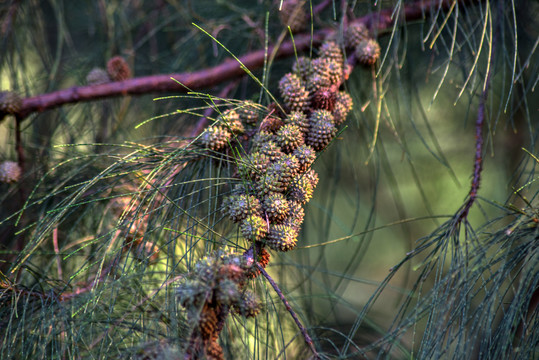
(479, 124)
(306, 336)
(57, 252)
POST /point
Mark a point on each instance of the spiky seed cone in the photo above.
(270, 182)
(231, 120)
(248, 112)
(253, 166)
(262, 259)
(261, 138)
(298, 119)
(321, 134)
(312, 176)
(10, 172)
(355, 33)
(294, 94)
(329, 69)
(270, 124)
(282, 237)
(227, 292)
(306, 156)
(316, 82)
(293, 14)
(10, 103)
(301, 190)
(286, 167)
(207, 322)
(254, 228)
(320, 115)
(290, 137)
(271, 150)
(214, 137)
(303, 68)
(275, 207)
(118, 69)
(368, 52)
(343, 106)
(331, 50)
(214, 351)
(97, 76)
(324, 98)
(232, 272)
(248, 305)
(296, 215)
(239, 207)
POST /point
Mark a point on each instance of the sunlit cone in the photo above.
(253, 166)
(294, 94)
(97, 76)
(214, 137)
(282, 237)
(10, 172)
(330, 69)
(343, 105)
(331, 50)
(290, 137)
(320, 115)
(296, 215)
(270, 182)
(271, 150)
(254, 228)
(368, 52)
(10, 103)
(301, 190)
(118, 69)
(298, 119)
(354, 34)
(238, 207)
(248, 112)
(312, 176)
(276, 207)
(286, 167)
(294, 14)
(231, 120)
(306, 156)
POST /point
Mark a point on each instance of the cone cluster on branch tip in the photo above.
(282, 144)
(10, 172)
(213, 289)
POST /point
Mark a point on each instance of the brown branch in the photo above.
(479, 124)
(306, 336)
(225, 71)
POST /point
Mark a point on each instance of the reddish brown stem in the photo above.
(229, 69)
(302, 329)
